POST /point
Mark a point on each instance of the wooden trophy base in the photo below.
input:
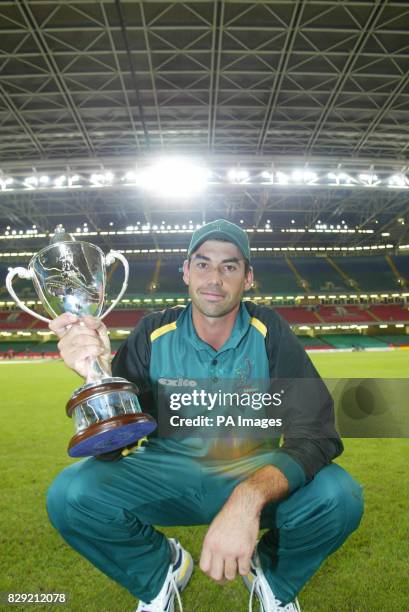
(107, 435)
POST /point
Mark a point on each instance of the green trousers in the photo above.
(107, 512)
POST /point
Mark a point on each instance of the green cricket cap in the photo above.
(221, 229)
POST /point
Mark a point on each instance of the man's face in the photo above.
(216, 277)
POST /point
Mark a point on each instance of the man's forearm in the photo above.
(268, 484)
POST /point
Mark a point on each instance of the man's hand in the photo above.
(82, 341)
(232, 535)
(231, 538)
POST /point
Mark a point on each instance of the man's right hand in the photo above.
(81, 340)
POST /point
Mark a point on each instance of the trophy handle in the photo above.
(109, 260)
(26, 274)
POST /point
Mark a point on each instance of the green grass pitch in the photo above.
(368, 574)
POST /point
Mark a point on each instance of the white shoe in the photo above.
(257, 584)
(178, 576)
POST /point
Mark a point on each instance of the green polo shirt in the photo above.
(181, 361)
(164, 354)
(178, 352)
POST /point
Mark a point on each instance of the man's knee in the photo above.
(341, 499)
(65, 494)
(330, 506)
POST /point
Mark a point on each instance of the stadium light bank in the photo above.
(181, 177)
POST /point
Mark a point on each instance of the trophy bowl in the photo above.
(70, 276)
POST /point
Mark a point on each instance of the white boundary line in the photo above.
(22, 361)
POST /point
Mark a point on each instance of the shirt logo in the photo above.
(177, 382)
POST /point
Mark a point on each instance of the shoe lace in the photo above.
(277, 605)
(178, 597)
(158, 604)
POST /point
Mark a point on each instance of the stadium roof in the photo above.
(316, 85)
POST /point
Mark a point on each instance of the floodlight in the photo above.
(31, 182)
(238, 175)
(368, 179)
(304, 176)
(282, 178)
(340, 178)
(5, 183)
(310, 176)
(130, 177)
(268, 176)
(173, 178)
(73, 179)
(97, 179)
(397, 180)
(60, 181)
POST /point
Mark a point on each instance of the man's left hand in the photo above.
(231, 539)
(232, 535)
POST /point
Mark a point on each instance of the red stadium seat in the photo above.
(391, 312)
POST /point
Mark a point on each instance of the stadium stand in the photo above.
(373, 275)
(170, 281)
(141, 275)
(16, 319)
(161, 278)
(33, 348)
(28, 350)
(340, 314)
(391, 312)
(294, 315)
(347, 341)
(395, 340)
(319, 274)
(297, 315)
(127, 319)
(274, 276)
(402, 265)
(314, 343)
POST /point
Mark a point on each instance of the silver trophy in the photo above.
(70, 276)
